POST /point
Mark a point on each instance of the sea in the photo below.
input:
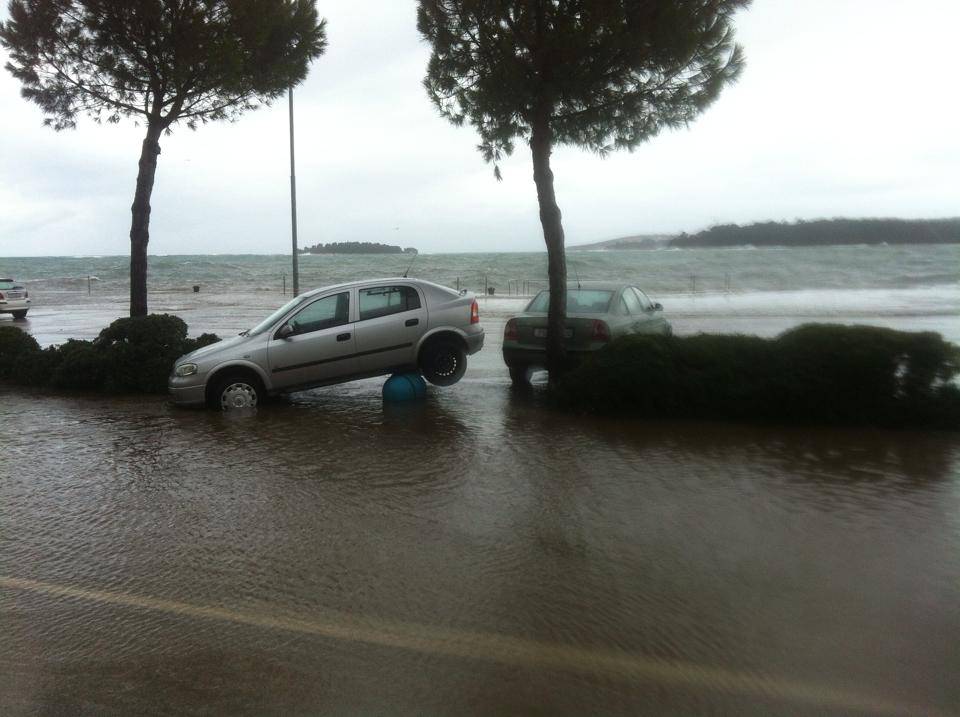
(661, 272)
(741, 289)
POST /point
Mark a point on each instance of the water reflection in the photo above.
(828, 556)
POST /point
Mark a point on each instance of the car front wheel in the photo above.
(235, 392)
(443, 363)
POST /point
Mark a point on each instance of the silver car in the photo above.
(336, 334)
(14, 299)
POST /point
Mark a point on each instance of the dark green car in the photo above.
(596, 314)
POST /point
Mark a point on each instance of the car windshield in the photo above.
(269, 321)
(579, 301)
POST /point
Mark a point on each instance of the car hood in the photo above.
(213, 349)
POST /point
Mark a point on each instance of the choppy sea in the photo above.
(662, 272)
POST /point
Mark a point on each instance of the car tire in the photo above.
(443, 362)
(19, 315)
(520, 376)
(236, 391)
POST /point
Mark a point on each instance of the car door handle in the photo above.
(412, 322)
(343, 337)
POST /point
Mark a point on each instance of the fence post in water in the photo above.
(727, 282)
(284, 275)
(88, 285)
(458, 283)
(693, 283)
(485, 288)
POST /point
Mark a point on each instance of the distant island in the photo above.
(356, 247)
(819, 232)
(639, 241)
(824, 232)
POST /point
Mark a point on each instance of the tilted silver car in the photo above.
(336, 334)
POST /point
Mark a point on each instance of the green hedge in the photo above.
(132, 355)
(816, 373)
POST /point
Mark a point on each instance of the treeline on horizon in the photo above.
(824, 232)
(356, 247)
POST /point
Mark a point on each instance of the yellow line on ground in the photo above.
(499, 649)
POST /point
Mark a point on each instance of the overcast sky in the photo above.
(846, 108)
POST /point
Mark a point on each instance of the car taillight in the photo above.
(474, 312)
(2, 297)
(26, 294)
(510, 331)
(601, 332)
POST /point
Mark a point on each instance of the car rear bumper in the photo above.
(8, 306)
(475, 342)
(523, 358)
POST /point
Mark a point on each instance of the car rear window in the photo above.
(7, 284)
(579, 301)
(385, 300)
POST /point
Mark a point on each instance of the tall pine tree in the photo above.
(161, 62)
(598, 74)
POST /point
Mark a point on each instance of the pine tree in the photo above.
(161, 62)
(598, 74)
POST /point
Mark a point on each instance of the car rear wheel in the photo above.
(235, 392)
(520, 375)
(443, 362)
(19, 315)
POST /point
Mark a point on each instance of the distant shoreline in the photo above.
(820, 232)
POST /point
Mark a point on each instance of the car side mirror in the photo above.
(658, 307)
(285, 332)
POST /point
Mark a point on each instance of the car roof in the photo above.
(594, 285)
(369, 282)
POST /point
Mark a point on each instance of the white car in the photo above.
(14, 299)
(336, 334)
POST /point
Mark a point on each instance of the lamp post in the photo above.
(293, 201)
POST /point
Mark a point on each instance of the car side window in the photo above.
(380, 301)
(632, 302)
(324, 313)
(645, 302)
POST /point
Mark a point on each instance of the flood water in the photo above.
(476, 553)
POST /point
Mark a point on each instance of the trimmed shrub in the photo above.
(132, 355)
(36, 369)
(816, 373)
(15, 346)
(138, 352)
(77, 365)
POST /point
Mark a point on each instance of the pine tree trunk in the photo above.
(140, 224)
(541, 145)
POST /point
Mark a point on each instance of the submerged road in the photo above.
(475, 553)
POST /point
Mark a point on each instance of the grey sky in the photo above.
(846, 108)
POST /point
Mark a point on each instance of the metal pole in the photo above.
(293, 201)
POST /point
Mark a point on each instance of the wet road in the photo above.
(476, 553)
